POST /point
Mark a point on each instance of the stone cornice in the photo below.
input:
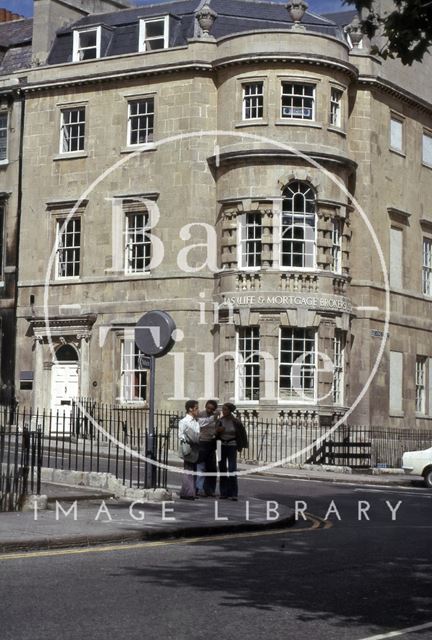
(388, 87)
(309, 59)
(276, 154)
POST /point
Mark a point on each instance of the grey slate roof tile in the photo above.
(235, 16)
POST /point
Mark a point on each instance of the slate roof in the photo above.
(15, 45)
(120, 35)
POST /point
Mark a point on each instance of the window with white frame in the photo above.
(338, 367)
(4, 126)
(253, 101)
(396, 134)
(298, 228)
(248, 364)
(337, 245)
(427, 267)
(68, 248)
(420, 383)
(138, 243)
(141, 121)
(427, 148)
(154, 34)
(298, 101)
(250, 240)
(336, 107)
(133, 376)
(297, 365)
(86, 44)
(72, 132)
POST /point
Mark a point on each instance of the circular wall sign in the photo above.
(153, 333)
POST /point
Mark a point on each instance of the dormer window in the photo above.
(87, 44)
(154, 34)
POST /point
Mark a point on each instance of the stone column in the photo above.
(269, 345)
(84, 365)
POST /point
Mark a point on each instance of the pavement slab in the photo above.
(101, 521)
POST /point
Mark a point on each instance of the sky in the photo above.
(25, 7)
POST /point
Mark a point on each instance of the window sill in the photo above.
(299, 123)
(66, 280)
(252, 123)
(426, 165)
(71, 156)
(397, 152)
(337, 130)
(4, 163)
(396, 414)
(139, 148)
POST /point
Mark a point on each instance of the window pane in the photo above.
(248, 374)
(133, 376)
(427, 149)
(69, 248)
(155, 29)
(396, 129)
(297, 369)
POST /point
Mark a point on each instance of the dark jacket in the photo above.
(241, 434)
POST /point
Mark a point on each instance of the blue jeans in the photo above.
(228, 462)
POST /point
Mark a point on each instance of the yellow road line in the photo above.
(317, 523)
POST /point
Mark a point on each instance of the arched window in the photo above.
(298, 227)
(66, 353)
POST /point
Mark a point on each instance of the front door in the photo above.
(65, 387)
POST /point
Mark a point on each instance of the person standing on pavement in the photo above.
(234, 439)
(206, 485)
(189, 432)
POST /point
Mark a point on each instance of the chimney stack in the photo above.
(52, 15)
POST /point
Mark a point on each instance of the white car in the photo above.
(419, 463)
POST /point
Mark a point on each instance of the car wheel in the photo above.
(427, 477)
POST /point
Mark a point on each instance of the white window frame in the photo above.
(148, 114)
(337, 230)
(127, 345)
(65, 125)
(143, 33)
(339, 345)
(427, 135)
(395, 119)
(420, 385)
(294, 97)
(77, 49)
(302, 218)
(252, 101)
(336, 97)
(130, 244)
(4, 159)
(244, 241)
(427, 267)
(61, 229)
(245, 363)
(297, 399)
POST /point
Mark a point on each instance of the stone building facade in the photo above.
(260, 140)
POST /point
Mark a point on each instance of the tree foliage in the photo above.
(406, 30)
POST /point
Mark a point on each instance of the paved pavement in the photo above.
(98, 518)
